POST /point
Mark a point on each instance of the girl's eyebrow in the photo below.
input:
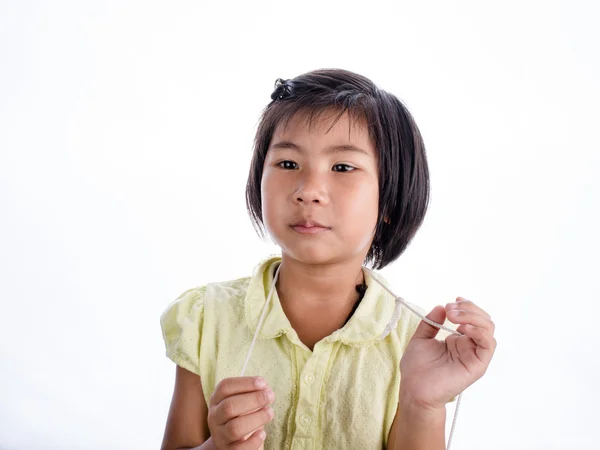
(331, 149)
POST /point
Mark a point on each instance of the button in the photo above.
(309, 379)
(305, 419)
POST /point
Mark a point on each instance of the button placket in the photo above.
(309, 390)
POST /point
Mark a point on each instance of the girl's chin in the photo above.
(321, 248)
(315, 254)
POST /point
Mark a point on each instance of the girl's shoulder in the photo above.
(233, 289)
(228, 290)
(216, 298)
(193, 302)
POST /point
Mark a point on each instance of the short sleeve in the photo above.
(181, 325)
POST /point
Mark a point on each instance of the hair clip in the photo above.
(283, 89)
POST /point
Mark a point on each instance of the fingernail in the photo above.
(262, 435)
(270, 412)
(260, 383)
(452, 305)
(269, 395)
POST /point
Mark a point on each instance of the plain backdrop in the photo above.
(126, 132)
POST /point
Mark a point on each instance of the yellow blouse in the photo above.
(343, 394)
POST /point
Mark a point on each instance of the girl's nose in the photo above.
(312, 189)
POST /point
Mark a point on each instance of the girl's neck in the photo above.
(317, 300)
(318, 285)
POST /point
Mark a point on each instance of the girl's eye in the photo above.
(343, 168)
(289, 165)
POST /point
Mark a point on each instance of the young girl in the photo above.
(339, 180)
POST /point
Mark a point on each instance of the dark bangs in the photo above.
(403, 169)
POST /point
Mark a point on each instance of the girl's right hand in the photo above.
(238, 411)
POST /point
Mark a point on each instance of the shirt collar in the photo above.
(364, 327)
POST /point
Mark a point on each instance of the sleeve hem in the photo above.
(182, 361)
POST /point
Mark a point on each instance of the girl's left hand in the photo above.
(433, 372)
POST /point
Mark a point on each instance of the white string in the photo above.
(260, 321)
(398, 302)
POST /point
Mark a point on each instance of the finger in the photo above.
(250, 434)
(467, 309)
(236, 385)
(486, 346)
(427, 331)
(238, 405)
(461, 316)
(462, 303)
(254, 442)
(240, 426)
(482, 337)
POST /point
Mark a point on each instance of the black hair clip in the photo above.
(361, 289)
(283, 89)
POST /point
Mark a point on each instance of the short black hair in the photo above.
(403, 169)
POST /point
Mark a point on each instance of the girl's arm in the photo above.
(415, 428)
(187, 425)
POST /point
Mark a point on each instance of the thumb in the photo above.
(426, 331)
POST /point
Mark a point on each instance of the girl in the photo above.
(339, 180)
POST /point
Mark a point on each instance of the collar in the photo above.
(364, 327)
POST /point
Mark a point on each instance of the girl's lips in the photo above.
(309, 230)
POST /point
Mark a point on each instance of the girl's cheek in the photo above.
(359, 185)
(269, 180)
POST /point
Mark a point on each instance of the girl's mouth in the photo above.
(302, 229)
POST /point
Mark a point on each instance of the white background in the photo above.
(125, 137)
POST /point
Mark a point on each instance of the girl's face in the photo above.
(320, 190)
